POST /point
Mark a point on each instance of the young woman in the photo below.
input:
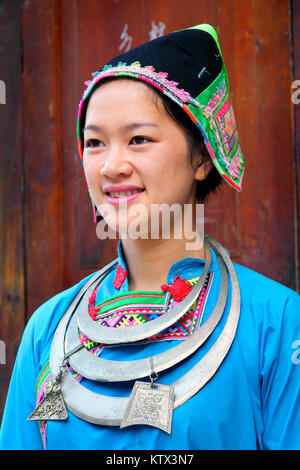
(170, 346)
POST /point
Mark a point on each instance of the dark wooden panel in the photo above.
(296, 109)
(272, 164)
(43, 165)
(258, 224)
(12, 297)
(83, 251)
(96, 45)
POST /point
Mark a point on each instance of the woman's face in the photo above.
(135, 156)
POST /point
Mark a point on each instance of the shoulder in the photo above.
(261, 287)
(266, 300)
(42, 324)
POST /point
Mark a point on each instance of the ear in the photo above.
(203, 169)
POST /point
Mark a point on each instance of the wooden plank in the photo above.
(90, 36)
(104, 39)
(272, 166)
(43, 165)
(296, 128)
(83, 251)
(12, 296)
(259, 222)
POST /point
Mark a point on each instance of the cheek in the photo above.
(173, 170)
(88, 174)
(91, 168)
(171, 184)
(92, 174)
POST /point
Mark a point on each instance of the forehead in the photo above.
(128, 95)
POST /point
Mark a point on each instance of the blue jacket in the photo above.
(252, 401)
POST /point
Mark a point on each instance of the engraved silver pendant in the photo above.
(52, 406)
(150, 404)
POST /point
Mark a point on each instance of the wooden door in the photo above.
(48, 49)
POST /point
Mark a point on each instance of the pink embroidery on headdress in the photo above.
(147, 72)
(215, 100)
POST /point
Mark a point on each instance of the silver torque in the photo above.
(105, 335)
(104, 410)
(96, 368)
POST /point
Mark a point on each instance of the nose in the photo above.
(116, 163)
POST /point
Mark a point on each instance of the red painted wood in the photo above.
(256, 225)
(12, 280)
(42, 140)
(296, 127)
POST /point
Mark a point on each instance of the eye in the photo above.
(139, 139)
(93, 143)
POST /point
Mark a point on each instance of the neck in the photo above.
(149, 260)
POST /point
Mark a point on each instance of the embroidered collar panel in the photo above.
(187, 268)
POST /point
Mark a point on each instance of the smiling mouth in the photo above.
(123, 194)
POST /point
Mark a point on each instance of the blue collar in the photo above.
(187, 268)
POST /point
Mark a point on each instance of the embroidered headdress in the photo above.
(188, 67)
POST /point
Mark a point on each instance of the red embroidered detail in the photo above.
(93, 311)
(93, 296)
(179, 288)
(120, 277)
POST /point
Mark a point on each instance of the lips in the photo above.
(122, 194)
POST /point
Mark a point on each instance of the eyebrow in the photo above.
(128, 127)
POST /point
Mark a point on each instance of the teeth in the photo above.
(124, 193)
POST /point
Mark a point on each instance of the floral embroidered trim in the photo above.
(147, 73)
(90, 345)
(134, 308)
(42, 382)
(151, 301)
(222, 122)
